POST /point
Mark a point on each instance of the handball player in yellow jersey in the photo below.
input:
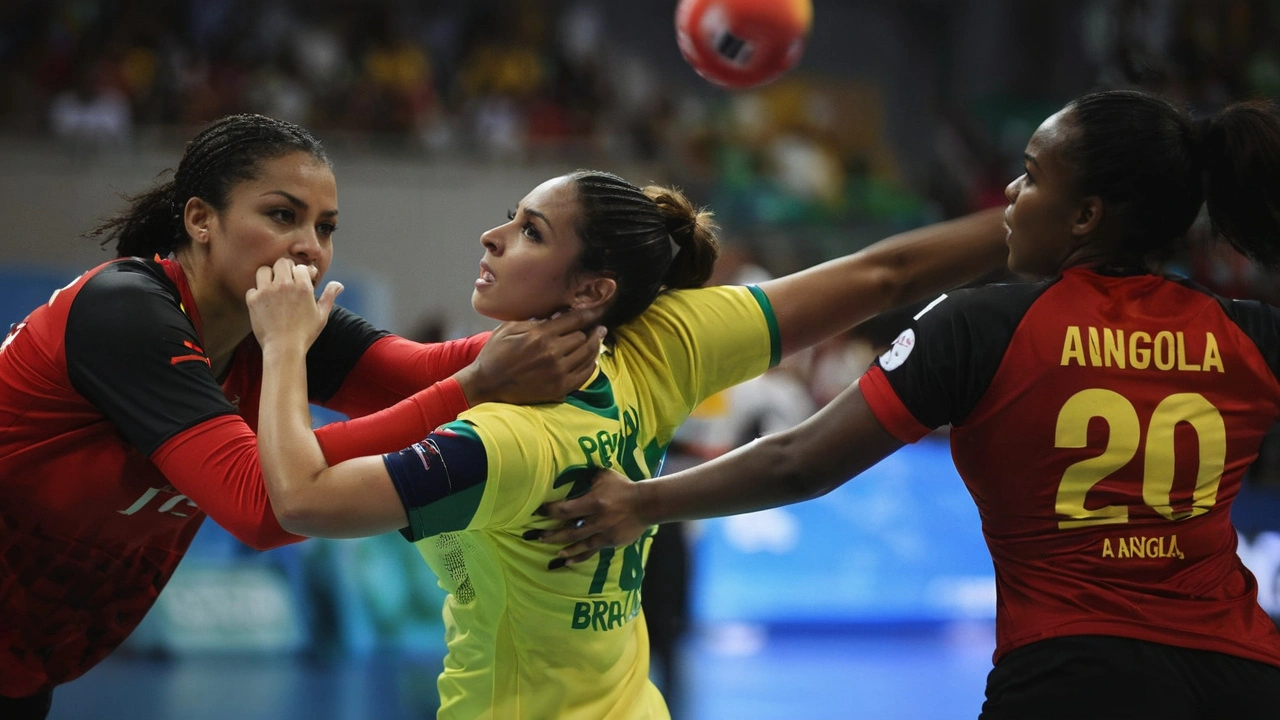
(523, 641)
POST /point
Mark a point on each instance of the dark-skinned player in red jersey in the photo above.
(128, 401)
(1102, 420)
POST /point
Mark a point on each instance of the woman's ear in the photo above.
(594, 292)
(1088, 217)
(197, 215)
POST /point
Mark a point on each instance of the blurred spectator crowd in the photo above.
(802, 169)
(488, 75)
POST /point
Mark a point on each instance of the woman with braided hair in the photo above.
(526, 640)
(128, 402)
(1102, 419)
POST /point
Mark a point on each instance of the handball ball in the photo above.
(742, 43)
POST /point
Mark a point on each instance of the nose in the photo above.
(308, 247)
(491, 240)
(1011, 190)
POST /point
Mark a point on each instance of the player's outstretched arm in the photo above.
(815, 304)
(351, 499)
(806, 461)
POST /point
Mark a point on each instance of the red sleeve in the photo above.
(888, 407)
(215, 464)
(394, 428)
(393, 368)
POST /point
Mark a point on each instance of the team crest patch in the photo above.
(898, 352)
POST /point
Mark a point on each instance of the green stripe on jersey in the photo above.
(596, 398)
(452, 512)
(775, 336)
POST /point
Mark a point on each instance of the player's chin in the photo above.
(1028, 264)
(488, 306)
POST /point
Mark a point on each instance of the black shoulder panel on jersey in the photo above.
(343, 341)
(958, 346)
(1261, 322)
(1258, 320)
(134, 354)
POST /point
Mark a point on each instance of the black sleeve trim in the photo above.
(133, 353)
(344, 340)
(958, 346)
(1261, 322)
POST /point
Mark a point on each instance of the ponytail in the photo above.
(148, 227)
(1241, 150)
(694, 233)
(646, 240)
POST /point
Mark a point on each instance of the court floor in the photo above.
(739, 672)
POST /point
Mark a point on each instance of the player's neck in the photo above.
(223, 317)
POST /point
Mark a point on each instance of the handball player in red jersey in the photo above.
(1102, 419)
(128, 402)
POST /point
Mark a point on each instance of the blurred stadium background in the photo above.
(874, 602)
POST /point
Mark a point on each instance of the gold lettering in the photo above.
(1212, 359)
(1139, 350)
(1114, 343)
(1164, 350)
(1167, 350)
(1137, 548)
(1071, 347)
(1182, 355)
(1142, 547)
(1095, 348)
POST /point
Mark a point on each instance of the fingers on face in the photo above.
(302, 274)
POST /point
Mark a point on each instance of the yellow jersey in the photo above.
(528, 642)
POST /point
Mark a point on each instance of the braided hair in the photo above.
(227, 152)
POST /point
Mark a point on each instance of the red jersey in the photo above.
(1102, 424)
(116, 440)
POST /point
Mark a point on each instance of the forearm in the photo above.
(923, 263)
(756, 476)
(393, 369)
(822, 301)
(290, 454)
(811, 459)
(216, 465)
(396, 427)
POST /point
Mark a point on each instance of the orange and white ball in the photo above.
(742, 43)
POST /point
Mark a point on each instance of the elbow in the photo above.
(801, 470)
(295, 517)
(293, 510)
(895, 285)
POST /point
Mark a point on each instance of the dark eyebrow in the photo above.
(540, 216)
(1027, 157)
(298, 203)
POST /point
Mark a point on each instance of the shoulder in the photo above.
(711, 315)
(998, 298)
(129, 277)
(118, 290)
(126, 299)
(985, 314)
(494, 422)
